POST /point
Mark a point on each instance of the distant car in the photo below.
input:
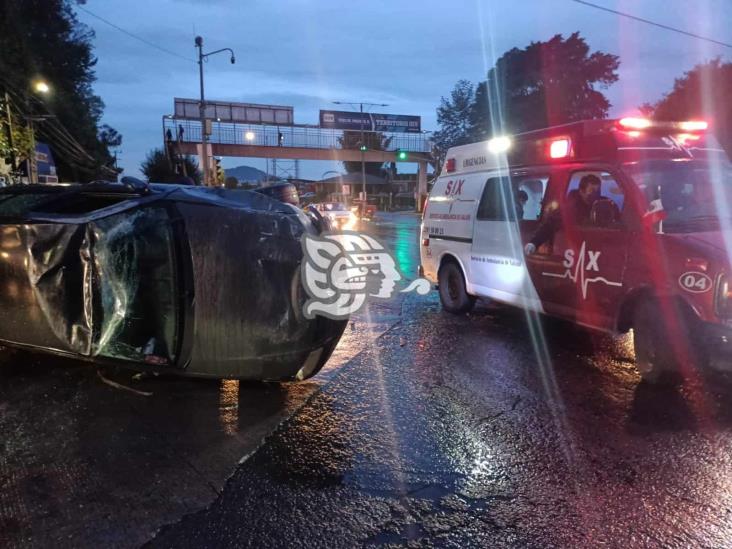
(167, 278)
(338, 214)
(284, 192)
(369, 213)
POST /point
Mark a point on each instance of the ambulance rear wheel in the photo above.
(453, 295)
(664, 353)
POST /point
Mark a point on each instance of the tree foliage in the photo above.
(703, 92)
(158, 169)
(545, 84)
(453, 116)
(44, 39)
(15, 139)
(374, 141)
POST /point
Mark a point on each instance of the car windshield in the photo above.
(694, 195)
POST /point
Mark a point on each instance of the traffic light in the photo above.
(280, 138)
(363, 148)
(402, 156)
(219, 171)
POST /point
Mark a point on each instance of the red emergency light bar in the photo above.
(633, 123)
(559, 148)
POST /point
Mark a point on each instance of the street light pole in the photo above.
(362, 146)
(40, 87)
(202, 113)
(202, 107)
(363, 169)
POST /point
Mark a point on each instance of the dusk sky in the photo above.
(407, 54)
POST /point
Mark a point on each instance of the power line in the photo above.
(131, 35)
(655, 24)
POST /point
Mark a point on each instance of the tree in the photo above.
(43, 38)
(453, 116)
(15, 137)
(545, 84)
(374, 141)
(703, 92)
(158, 169)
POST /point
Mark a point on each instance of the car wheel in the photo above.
(664, 353)
(453, 295)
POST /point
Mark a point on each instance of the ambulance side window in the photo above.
(609, 188)
(496, 202)
(529, 194)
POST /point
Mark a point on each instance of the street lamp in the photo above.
(40, 86)
(201, 57)
(362, 147)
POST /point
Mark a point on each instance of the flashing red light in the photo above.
(632, 123)
(694, 125)
(450, 165)
(559, 148)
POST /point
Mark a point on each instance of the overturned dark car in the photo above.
(166, 278)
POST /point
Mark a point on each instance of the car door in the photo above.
(555, 297)
(584, 278)
(497, 258)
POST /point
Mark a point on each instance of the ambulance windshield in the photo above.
(694, 195)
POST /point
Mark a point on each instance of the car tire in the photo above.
(657, 347)
(453, 295)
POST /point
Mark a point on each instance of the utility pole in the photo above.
(363, 148)
(9, 125)
(202, 107)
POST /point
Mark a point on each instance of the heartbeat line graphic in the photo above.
(579, 274)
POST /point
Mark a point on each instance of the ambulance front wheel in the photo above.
(664, 347)
(453, 295)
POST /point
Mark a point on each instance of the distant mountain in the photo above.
(246, 173)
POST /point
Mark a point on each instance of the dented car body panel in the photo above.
(193, 281)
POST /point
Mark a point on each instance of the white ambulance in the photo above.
(611, 224)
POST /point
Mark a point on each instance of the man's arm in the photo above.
(547, 227)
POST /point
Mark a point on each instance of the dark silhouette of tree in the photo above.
(453, 116)
(375, 141)
(702, 93)
(44, 39)
(545, 84)
(158, 169)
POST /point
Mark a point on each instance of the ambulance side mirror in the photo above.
(604, 213)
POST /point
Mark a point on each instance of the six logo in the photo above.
(695, 282)
(578, 264)
(454, 187)
(590, 263)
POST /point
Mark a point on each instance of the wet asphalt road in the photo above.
(428, 430)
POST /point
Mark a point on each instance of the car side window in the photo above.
(609, 189)
(529, 196)
(496, 202)
(512, 198)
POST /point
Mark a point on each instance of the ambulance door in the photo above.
(540, 191)
(496, 259)
(595, 253)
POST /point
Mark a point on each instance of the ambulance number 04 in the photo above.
(695, 282)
